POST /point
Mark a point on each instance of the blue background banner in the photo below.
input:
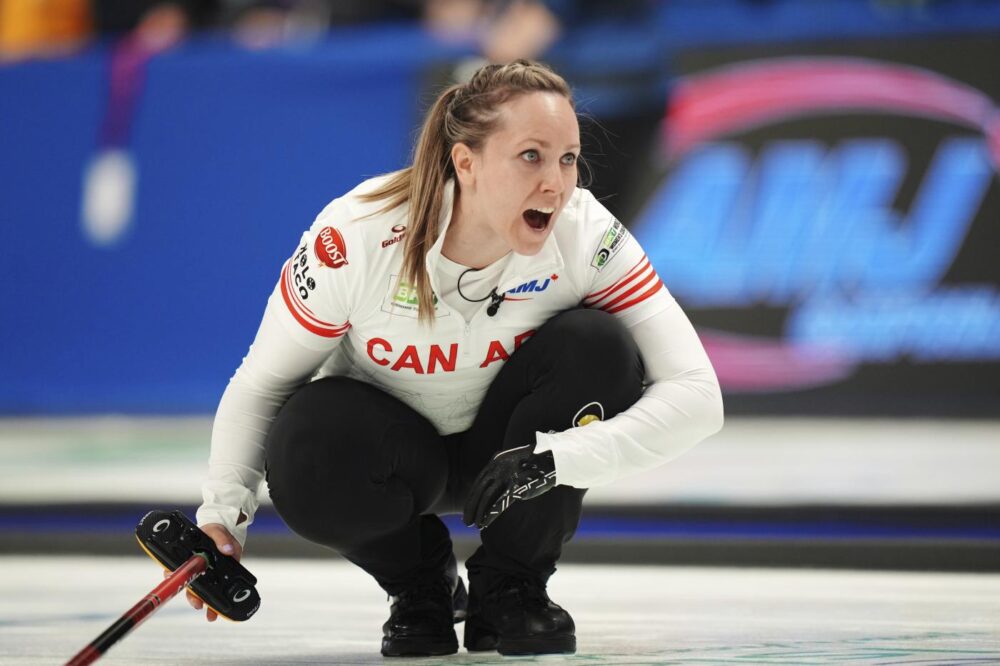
(227, 154)
(234, 154)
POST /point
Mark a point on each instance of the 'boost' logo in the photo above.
(330, 248)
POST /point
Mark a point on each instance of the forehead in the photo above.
(542, 116)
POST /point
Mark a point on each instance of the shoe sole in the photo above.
(418, 648)
(480, 639)
(547, 645)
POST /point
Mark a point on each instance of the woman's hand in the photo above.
(513, 475)
(227, 545)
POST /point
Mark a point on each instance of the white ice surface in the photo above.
(753, 460)
(315, 612)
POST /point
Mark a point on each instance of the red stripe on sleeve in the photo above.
(643, 296)
(649, 274)
(286, 275)
(597, 295)
(304, 316)
(625, 286)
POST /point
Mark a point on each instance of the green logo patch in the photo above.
(612, 241)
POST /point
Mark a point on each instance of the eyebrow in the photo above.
(544, 144)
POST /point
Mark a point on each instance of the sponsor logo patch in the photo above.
(330, 248)
(400, 231)
(530, 287)
(302, 283)
(613, 241)
(592, 411)
(401, 299)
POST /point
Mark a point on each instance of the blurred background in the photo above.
(816, 181)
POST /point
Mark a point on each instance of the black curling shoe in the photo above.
(516, 617)
(422, 619)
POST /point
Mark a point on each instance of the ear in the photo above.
(463, 159)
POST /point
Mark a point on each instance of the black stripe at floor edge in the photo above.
(940, 556)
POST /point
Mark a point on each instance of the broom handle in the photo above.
(133, 617)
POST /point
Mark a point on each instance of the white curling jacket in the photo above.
(339, 309)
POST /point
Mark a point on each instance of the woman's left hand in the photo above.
(513, 475)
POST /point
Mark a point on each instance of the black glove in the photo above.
(512, 475)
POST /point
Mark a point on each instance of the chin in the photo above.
(527, 251)
(529, 242)
(529, 247)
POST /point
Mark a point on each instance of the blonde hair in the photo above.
(464, 113)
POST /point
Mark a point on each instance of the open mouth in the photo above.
(538, 218)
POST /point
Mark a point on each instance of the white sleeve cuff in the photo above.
(564, 464)
(224, 502)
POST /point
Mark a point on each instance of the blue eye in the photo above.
(569, 159)
(530, 155)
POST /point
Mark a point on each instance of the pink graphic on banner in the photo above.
(745, 363)
(752, 94)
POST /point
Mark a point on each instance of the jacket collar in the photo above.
(520, 269)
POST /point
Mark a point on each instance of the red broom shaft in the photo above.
(136, 615)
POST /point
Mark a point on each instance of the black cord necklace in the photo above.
(495, 300)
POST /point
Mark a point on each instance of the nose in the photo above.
(551, 179)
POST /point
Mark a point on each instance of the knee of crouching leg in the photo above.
(345, 517)
(595, 337)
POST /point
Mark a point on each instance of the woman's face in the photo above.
(518, 182)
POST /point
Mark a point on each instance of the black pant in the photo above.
(353, 468)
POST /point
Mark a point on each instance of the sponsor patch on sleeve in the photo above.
(330, 248)
(611, 243)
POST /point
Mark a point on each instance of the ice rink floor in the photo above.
(316, 612)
